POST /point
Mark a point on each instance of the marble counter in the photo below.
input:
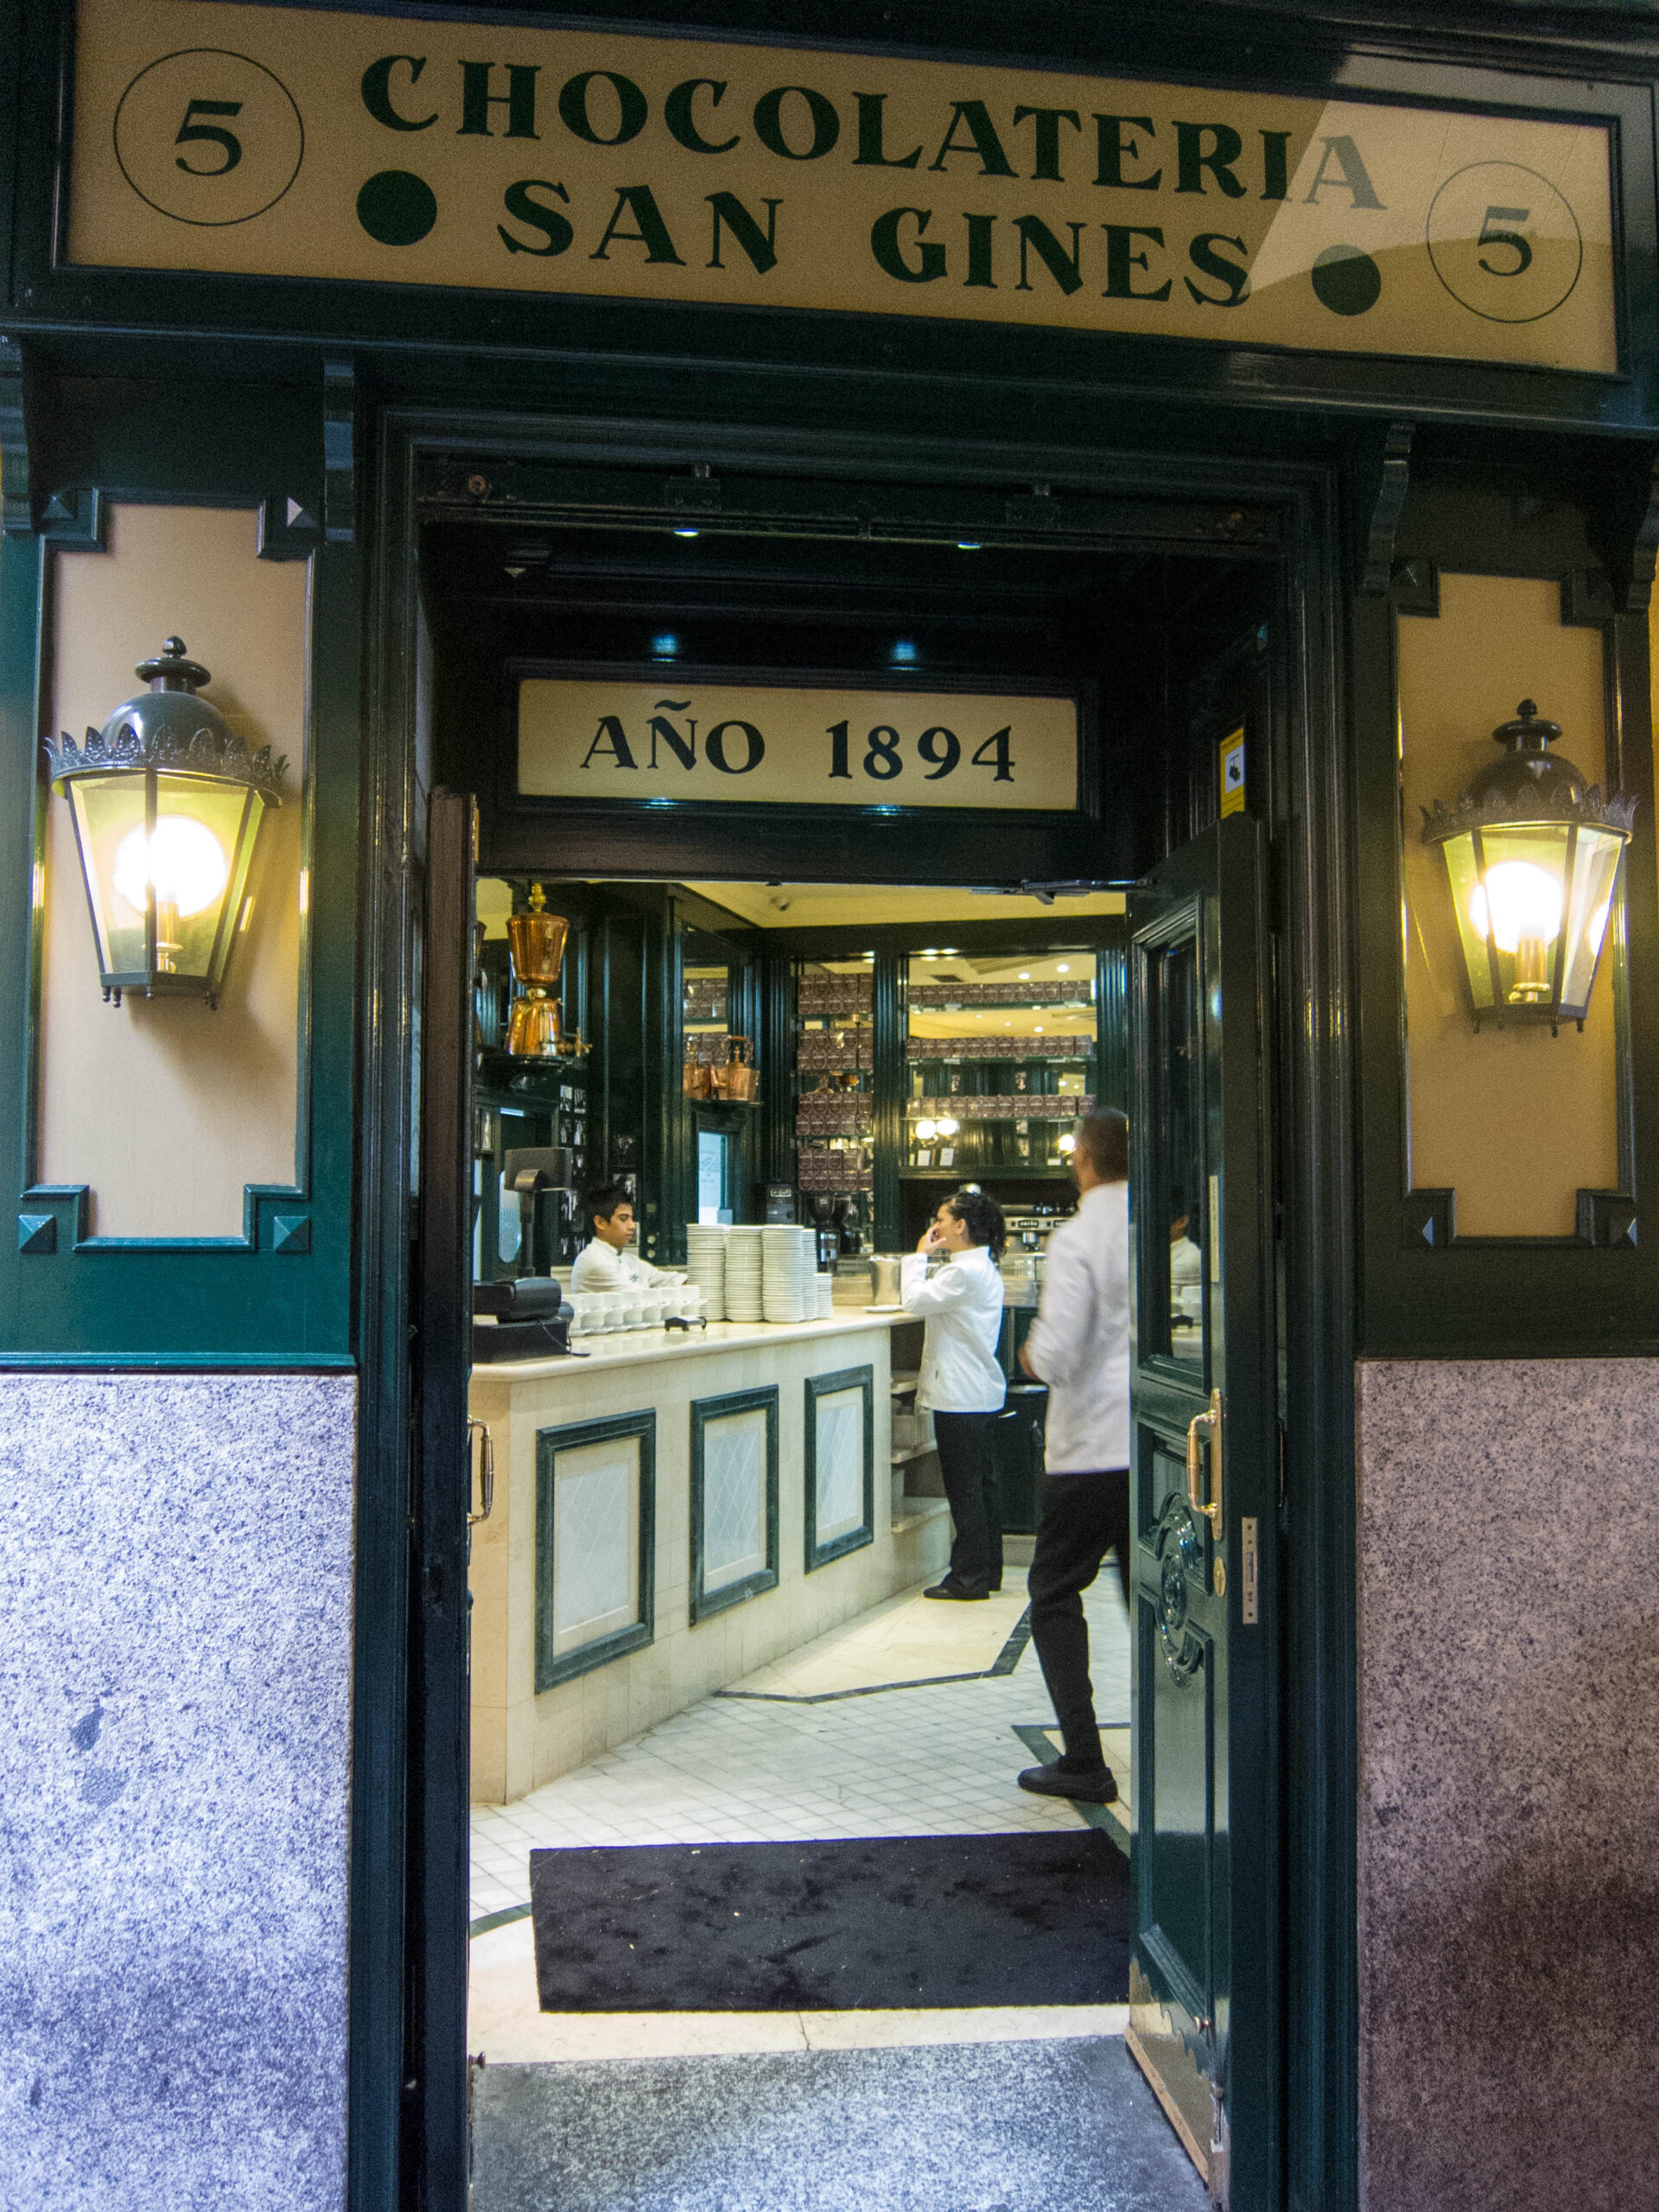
(670, 1513)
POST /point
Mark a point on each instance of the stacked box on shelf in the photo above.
(1003, 1106)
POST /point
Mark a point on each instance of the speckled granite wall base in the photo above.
(176, 1590)
(1508, 1815)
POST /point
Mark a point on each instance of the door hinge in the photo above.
(1220, 2141)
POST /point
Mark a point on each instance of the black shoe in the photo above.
(951, 1588)
(1087, 1785)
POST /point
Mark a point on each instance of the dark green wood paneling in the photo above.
(1499, 1297)
(149, 1302)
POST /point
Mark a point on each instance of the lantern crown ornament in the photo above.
(169, 727)
(167, 801)
(1532, 854)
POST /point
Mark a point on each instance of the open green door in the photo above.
(1202, 1980)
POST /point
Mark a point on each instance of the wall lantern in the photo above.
(167, 803)
(1532, 857)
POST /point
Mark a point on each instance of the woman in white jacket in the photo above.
(962, 1384)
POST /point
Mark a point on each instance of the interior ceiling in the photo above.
(978, 597)
(833, 905)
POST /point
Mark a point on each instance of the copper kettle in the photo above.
(538, 941)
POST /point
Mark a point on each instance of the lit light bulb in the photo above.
(184, 860)
(1524, 902)
(1025, 974)
(948, 1127)
(1068, 1142)
(1063, 968)
(927, 1130)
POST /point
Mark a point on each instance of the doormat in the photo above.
(869, 1923)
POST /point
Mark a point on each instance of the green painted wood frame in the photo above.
(1557, 66)
(554, 1666)
(278, 1294)
(817, 1387)
(706, 1412)
(1503, 1297)
(1307, 788)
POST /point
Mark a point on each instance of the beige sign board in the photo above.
(292, 142)
(794, 745)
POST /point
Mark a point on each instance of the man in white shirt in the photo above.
(607, 1264)
(1079, 1346)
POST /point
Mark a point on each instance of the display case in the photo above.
(526, 1104)
(835, 1104)
(1000, 1058)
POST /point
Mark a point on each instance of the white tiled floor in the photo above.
(927, 1761)
(909, 1638)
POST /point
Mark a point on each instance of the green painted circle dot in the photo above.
(1346, 280)
(396, 207)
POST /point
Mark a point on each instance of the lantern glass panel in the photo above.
(188, 858)
(108, 809)
(1595, 871)
(1520, 904)
(1465, 878)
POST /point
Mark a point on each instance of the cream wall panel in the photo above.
(1517, 1122)
(167, 1108)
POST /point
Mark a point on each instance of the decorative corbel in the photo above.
(339, 452)
(287, 529)
(1377, 561)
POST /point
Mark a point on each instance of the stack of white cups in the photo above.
(705, 1244)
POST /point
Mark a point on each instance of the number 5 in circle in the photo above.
(1511, 239)
(194, 133)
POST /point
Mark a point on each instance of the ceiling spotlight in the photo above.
(968, 545)
(1025, 974)
(687, 533)
(1063, 968)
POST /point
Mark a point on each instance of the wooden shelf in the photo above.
(1001, 1172)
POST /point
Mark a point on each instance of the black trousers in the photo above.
(1080, 1519)
(968, 1462)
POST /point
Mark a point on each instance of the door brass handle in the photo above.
(1209, 1509)
(486, 1473)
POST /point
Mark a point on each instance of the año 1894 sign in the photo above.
(587, 737)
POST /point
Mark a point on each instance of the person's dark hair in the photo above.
(982, 1218)
(601, 1203)
(1103, 1139)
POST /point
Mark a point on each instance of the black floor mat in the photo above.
(873, 1923)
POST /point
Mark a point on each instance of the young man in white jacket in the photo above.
(1079, 1346)
(607, 1264)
